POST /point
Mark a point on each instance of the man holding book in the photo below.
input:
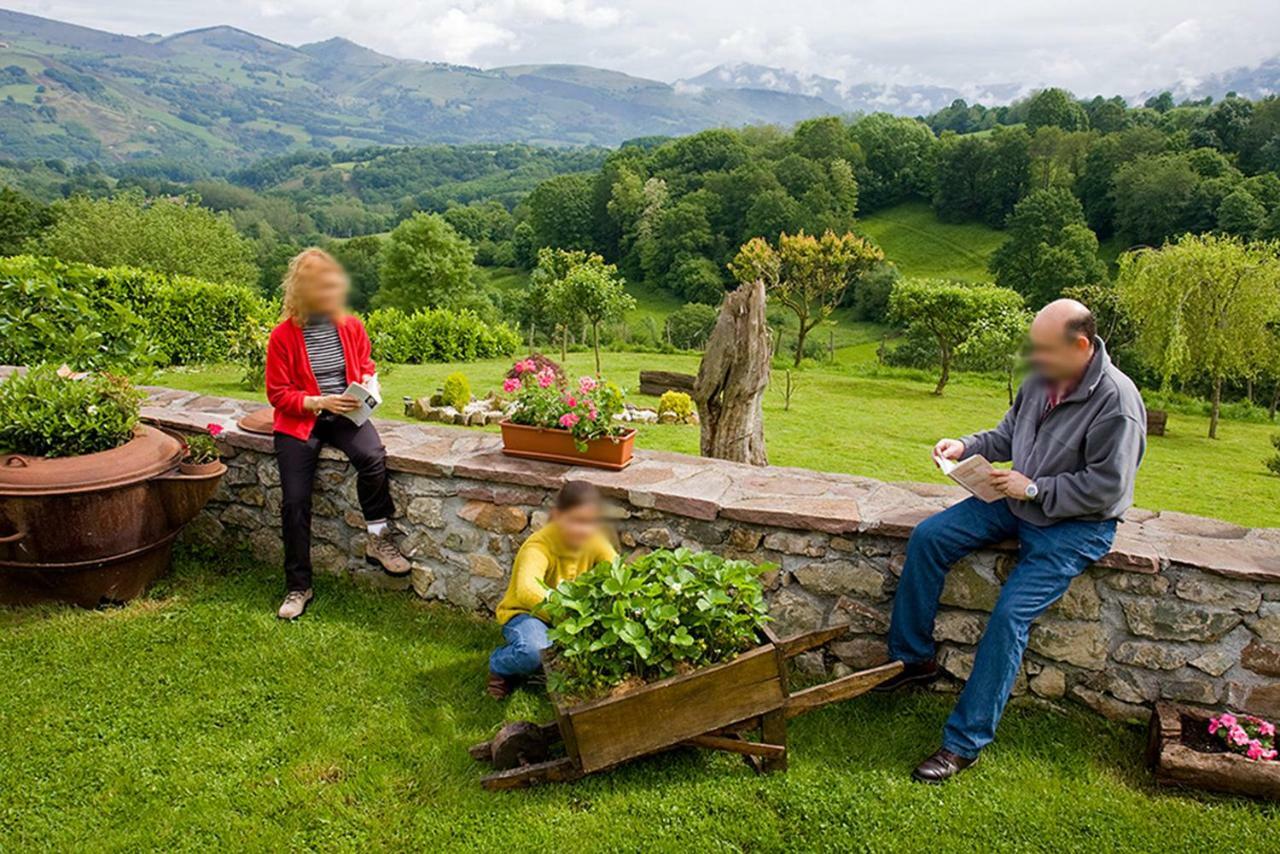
(1075, 436)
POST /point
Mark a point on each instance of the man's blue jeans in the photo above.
(526, 638)
(1048, 558)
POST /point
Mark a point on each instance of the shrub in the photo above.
(437, 335)
(46, 414)
(1273, 464)
(649, 619)
(457, 391)
(676, 402)
(119, 316)
(689, 326)
(248, 349)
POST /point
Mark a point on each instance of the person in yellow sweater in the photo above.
(567, 546)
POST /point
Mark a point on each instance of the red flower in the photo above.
(215, 430)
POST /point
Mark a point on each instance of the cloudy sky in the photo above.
(1090, 46)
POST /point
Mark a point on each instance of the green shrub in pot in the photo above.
(45, 413)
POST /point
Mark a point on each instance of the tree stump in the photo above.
(733, 377)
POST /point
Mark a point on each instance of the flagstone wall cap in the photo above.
(777, 496)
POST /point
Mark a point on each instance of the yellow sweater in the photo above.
(544, 559)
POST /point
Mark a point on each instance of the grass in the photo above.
(913, 239)
(193, 720)
(854, 417)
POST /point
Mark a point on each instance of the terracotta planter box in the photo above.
(557, 446)
(1181, 752)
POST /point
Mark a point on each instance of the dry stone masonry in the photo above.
(1184, 608)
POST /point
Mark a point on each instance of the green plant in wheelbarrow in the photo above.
(664, 613)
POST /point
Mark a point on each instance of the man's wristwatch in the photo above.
(1032, 491)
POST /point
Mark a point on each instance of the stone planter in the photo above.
(557, 446)
(1182, 753)
(97, 528)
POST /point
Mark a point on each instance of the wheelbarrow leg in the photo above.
(773, 730)
(554, 771)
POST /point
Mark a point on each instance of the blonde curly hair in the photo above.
(302, 268)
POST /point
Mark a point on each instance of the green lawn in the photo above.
(852, 417)
(193, 720)
(913, 239)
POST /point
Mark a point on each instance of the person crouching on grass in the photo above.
(567, 546)
(312, 356)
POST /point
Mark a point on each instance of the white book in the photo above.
(368, 396)
(974, 474)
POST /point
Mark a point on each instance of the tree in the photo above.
(560, 212)
(21, 219)
(949, 313)
(1241, 214)
(809, 275)
(1202, 308)
(425, 264)
(595, 292)
(1049, 248)
(1152, 197)
(995, 344)
(361, 257)
(170, 235)
(1055, 108)
(897, 154)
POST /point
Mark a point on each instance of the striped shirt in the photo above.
(324, 351)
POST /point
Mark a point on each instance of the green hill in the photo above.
(913, 239)
(219, 96)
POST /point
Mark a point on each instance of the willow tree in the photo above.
(807, 274)
(1202, 308)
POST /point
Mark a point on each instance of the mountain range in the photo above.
(220, 96)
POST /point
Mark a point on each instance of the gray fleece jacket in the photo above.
(1083, 454)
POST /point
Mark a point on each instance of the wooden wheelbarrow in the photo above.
(715, 708)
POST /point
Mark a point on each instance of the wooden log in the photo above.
(736, 745)
(555, 771)
(658, 383)
(732, 379)
(1157, 420)
(844, 688)
(1173, 738)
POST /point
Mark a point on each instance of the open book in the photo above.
(369, 396)
(973, 473)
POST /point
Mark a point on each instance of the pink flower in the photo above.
(1255, 750)
(525, 366)
(546, 378)
(587, 385)
(511, 385)
(1214, 725)
(1237, 735)
(1227, 720)
(215, 430)
(1266, 728)
(570, 401)
(594, 414)
(568, 420)
(1269, 755)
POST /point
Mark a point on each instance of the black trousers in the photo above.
(297, 460)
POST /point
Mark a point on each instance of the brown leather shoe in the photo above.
(941, 766)
(917, 675)
(499, 686)
(295, 603)
(381, 550)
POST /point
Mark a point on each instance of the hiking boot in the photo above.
(295, 602)
(499, 687)
(381, 550)
(941, 766)
(912, 675)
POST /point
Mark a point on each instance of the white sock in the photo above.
(377, 528)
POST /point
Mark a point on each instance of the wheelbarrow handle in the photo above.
(14, 537)
(793, 645)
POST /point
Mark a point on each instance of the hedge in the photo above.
(437, 335)
(53, 310)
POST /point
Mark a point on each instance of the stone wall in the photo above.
(1183, 609)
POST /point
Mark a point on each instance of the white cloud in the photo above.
(1088, 45)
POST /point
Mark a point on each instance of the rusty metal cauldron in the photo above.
(98, 528)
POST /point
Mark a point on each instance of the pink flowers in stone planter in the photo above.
(1251, 736)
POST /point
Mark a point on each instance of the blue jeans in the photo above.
(1048, 558)
(526, 638)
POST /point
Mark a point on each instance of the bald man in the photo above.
(1075, 436)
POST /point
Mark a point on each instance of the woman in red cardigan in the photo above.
(313, 355)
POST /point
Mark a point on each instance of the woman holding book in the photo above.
(316, 352)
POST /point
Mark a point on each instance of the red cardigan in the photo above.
(289, 376)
